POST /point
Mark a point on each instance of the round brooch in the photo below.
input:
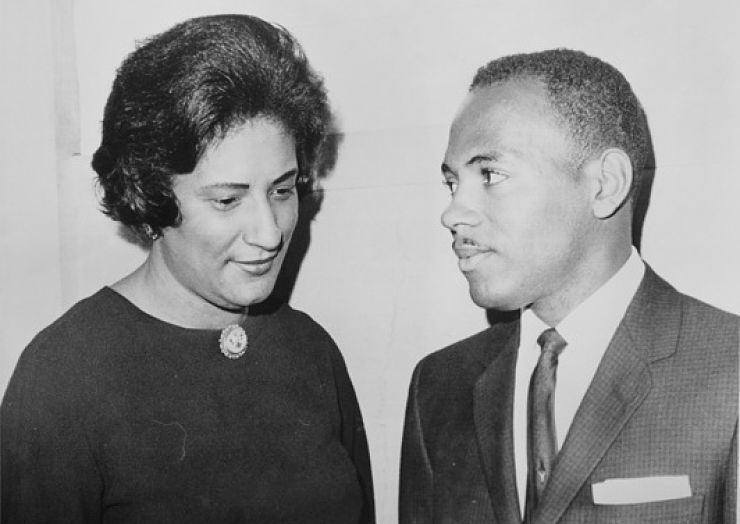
(233, 341)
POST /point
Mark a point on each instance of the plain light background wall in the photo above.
(379, 274)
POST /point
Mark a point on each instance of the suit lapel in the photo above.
(493, 405)
(647, 333)
(621, 382)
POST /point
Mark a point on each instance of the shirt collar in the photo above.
(595, 320)
(531, 328)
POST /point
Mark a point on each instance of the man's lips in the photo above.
(469, 254)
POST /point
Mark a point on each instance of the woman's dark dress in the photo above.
(114, 416)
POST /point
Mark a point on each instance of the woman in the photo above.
(158, 399)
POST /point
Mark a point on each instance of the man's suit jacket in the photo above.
(664, 401)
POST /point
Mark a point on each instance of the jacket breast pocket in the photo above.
(686, 510)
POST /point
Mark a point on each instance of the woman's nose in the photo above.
(261, 228)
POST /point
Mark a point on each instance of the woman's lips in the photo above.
(256, 267)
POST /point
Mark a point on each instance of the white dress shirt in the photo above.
(587, 329)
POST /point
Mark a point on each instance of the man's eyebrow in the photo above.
(488, 157)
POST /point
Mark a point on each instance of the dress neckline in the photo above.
(151, 319)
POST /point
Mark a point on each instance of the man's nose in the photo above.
(461, 211)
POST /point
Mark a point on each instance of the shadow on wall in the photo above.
(309, 207)
(642, 198)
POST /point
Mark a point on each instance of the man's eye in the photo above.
(451, 185)
(492, 177)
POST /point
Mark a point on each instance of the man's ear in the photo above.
(612, 176)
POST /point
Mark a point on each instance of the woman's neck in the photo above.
(157, 292)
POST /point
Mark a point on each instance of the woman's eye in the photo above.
(283, 192)
(451, 185)
(225, 203)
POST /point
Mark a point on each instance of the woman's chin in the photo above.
(251, 294)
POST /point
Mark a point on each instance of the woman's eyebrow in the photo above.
(286, 176)
(242, 186)
(223, 185)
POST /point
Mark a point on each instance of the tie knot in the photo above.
(550, 340)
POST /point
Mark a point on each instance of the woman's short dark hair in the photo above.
(187, 87)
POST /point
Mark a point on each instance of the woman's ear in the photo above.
(613, 180)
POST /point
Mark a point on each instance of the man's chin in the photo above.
(487, 298)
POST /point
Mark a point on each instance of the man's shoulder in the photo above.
(711, 328)
(695, 313)
(471, 348)
(656, 294)
(467, 358)
(696, 310)
(705, 335)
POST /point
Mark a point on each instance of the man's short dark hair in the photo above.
(592, 98)
(186, 88)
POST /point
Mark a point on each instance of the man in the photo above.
(627, 410)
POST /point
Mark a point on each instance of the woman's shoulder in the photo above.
(59, 363)
(291, 320)
(303, 330)
(92, 318)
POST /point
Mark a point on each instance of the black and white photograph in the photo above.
(394, 262)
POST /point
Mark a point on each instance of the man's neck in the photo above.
(582, 283)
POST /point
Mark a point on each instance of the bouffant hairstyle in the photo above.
(184, 89)
(592, 100)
